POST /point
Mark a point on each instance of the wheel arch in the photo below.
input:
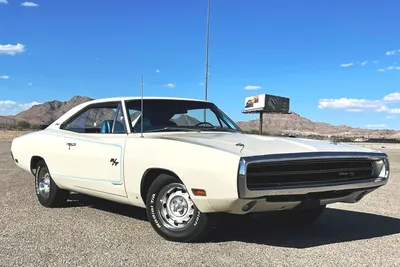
(34, 161)
(149, 176)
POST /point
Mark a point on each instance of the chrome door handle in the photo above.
(70, 144)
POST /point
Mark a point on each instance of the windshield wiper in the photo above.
(173, 129)
(219, 129)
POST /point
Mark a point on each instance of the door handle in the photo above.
(70, 144)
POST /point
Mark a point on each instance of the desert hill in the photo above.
(295, 124)
(272, 123)
(49, 111)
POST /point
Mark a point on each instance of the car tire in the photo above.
(47, 192)
(191, 225)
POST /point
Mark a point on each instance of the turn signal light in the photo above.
(199, 192)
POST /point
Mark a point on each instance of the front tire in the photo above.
(47, 192)
(172, 213)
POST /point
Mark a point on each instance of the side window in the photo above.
(119, 126)
(78, 125)
(99, 119)
(135, 120)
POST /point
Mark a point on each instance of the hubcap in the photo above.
(176, 208)
(44, 185)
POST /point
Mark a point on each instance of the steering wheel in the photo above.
(204, 122)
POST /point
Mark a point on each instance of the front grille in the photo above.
(296, 173)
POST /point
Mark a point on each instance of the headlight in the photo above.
(382, 168)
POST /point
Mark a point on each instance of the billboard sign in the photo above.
(267, 103)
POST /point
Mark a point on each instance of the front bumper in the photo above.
(243, 206)
(282, 198)
(380, 178)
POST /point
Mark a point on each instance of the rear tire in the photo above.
(172, 213)
(47, 192)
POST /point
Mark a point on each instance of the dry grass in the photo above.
(9, 135)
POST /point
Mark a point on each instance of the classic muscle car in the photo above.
(185, 161)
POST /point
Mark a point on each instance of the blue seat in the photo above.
(119, 127)
(106, 127)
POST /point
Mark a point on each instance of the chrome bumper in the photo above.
(245, 193)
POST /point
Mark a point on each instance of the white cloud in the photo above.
(30, 84)
(364, 63)
(355, 110)
(201, 83)
(10, 49)
(3, 2)
(375, 125)
(375, 61)
(170, 85)
(360, 105)
(381, 70)
(391, 53)
(157, 71)
(8, 107)
(394, 110)
(393, 97)
(252, 87)
(6, 77)
(346, 65)
(397, 68)
(389, 117)
(390, 68)
(29, 4)
(350, 104)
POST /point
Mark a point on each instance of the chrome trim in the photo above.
(243, 192)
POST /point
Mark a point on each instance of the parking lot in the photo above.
(90, 232)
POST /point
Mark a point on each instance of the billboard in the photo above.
(267, 103)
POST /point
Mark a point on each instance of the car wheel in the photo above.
(172, 213)
(47, 192)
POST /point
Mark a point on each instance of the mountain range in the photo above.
(275, 124)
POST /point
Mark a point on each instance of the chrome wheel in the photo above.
(44, 185)
(176, 208)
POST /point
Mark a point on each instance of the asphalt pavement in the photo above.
(91, 232)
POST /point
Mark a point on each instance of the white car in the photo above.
(189, 163)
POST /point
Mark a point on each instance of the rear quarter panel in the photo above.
(45, 144)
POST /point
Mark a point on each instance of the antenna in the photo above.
(141, 111)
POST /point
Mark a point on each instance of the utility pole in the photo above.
(207, 45)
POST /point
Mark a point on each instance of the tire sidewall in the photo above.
(43, 201)
(190, 232)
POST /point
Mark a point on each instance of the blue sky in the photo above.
(338, 61)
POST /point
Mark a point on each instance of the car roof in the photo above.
(128, 98)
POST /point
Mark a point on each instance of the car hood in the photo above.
(253, 145)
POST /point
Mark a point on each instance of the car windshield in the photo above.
(163, 115)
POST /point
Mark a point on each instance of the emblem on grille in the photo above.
(351, 174)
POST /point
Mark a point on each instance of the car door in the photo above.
(94, 150)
